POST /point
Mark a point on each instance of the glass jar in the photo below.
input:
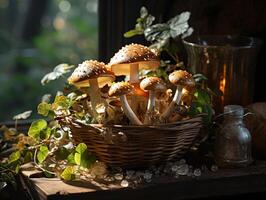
(229, 63)
(233, 140)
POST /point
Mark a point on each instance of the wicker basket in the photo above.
(138, 146)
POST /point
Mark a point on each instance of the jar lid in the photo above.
(235, 110)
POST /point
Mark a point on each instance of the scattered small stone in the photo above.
(197, 172)
(147, 176)
(174, 168)
(124, 183)
(214, 168)
(109, 179)
(183, 169)
(118, 176)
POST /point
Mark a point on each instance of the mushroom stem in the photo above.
(128, 111)
(176, 100)
(134, 78)
(95, 96)
(134, 73)
(150, 107)
(151, 101)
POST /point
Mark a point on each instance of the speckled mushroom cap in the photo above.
(182, 77)
(133, 53)
(120, 88)
(91, 69)
(152, 83)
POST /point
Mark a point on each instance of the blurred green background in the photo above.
(67, 32)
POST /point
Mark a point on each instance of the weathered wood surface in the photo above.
(211, 184)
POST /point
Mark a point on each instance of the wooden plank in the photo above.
(210, 184)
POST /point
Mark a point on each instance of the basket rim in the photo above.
(166, 126)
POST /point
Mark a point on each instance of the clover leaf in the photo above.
(82, 157)
(42, 153)
(44, 108)
(68, 174)
(15, 156)
(36, 128)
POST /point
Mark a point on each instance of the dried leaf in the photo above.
(57, 72)
(23, 115)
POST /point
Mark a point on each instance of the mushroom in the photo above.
(121, 89)
(92, 74)
(131, 58)
(152, 84)
(128, 61)
(181, 79)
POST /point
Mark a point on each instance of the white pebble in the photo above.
(118, 176)
(124, 183)
(197, 172)
(214, 168)
(147, 176)
(183, 169)
(174, 168)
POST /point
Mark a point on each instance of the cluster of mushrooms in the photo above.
(142, 101)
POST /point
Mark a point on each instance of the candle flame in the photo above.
(223, 82)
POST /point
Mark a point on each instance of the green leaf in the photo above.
(44, 108)
(28, 157)
(45, 134)
(57, 72)
(143, 12)
(42, 153)
(62, 153)
(62, 102)
(179, 24)
(68, 174)
(36, 127)
(17, 168)
(81, 148)
(15, 156)
(82, 156)
(202, 96)
(157, 32)
(132, 33)
(48, 174)
(144, 21)
(23, 115)
(70, 158)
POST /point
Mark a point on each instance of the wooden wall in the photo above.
(241, 17)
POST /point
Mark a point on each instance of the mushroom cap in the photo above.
(152, 83)
(91, 69)
(133, 53)
(182, 77)
(120, 88)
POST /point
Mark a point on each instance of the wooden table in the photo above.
(224, 183)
